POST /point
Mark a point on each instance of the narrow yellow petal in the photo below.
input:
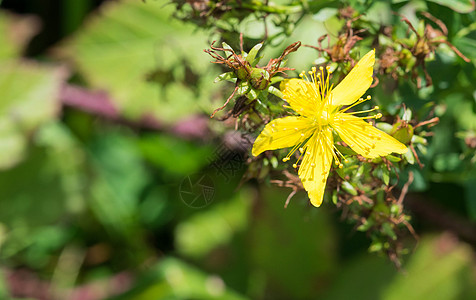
(301, 95)
(364, 138)
(356, 83)
(282, 133)
(316, 164)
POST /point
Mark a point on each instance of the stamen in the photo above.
(363, 111)
(354, 104)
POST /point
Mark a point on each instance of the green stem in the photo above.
(257, 5)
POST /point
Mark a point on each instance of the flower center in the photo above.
(322, 119)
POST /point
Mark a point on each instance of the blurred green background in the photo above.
(114, 184)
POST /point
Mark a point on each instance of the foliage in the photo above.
(91, 191)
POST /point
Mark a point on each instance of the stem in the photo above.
(257, 5)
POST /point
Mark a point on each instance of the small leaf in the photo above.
(349, 188)
(388, 230)
(340, 172)
(393, 158)
(275, 92)
(385, 175)
(461, 6)
(252, 54)
(230, 76)
(409, 157)
(252, 94)
(226, 46)
(325, 14)
(387, 128)
(366, 225)
(276, 79)
(376, 247)
(334, 197)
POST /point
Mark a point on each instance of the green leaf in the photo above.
(461, 6)
(214, 227)
(393, 158)
(15, 33)
(276, 79)
(334, 197)
(324, 14)
(385, 175)
(445, 279)
(119, 178)
(230, 76)
(470, 187)
(228, 47)
(252, 54)
(388, 230)
(29, 98)
(409, 157)
(275, 91)
(340, 172)
(171, 278)
(349, 188)
(146, 60)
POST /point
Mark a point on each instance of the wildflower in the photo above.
(323, 115)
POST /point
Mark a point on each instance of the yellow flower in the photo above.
(321, 116)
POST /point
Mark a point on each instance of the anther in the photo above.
(369, 97)
(376, 107)
(294, 166)
(286, 159)
(301, 150)
(321, 68)
(341, 166)
(378, 116)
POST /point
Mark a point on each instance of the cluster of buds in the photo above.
(412, 52)
(252, 81)
(400, 56)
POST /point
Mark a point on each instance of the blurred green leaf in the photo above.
(461, 6)
(119, 177)
(29, 94)
(186, 158)
(15, 33)
(350, 280)
(174, 279)
(426, 279)
(214, 227)
(25, 190)
(146, 60)
(292, 248)
(470, 186)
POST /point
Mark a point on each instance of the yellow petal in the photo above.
(364, 138)
(282, 133)
(356, 83)
(301, 95)
(316, 164)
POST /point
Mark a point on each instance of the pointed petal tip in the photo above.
(403, 150)
(255, 152)
(316, 197)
